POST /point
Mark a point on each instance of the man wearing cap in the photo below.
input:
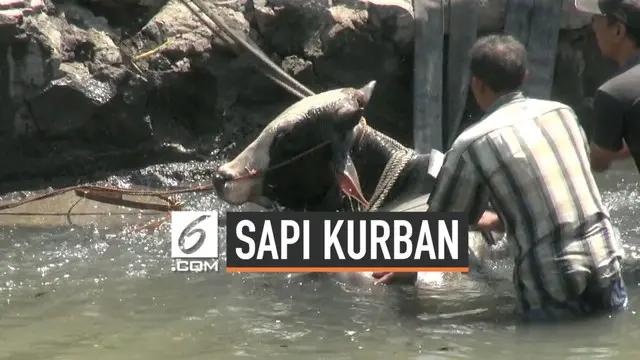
(616, 104)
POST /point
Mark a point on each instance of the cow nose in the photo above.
(219, 180)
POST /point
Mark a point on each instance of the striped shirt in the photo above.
(530, 158)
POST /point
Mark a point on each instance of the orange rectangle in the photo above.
(342, 269)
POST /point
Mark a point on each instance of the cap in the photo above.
(627, 11)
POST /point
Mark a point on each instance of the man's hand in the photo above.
(601, 159)
(489, 221)
(387, 278)
(624, 152)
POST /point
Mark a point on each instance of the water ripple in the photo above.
(98, 292)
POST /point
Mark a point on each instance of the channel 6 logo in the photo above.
(194, 240)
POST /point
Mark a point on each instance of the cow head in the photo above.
(302, 157)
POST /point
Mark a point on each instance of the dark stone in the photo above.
(68, 104)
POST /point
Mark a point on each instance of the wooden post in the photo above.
(536, 23)
(427, 78)
(463, 31)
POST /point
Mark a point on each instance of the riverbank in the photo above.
(90, 86)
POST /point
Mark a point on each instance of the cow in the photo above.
(319, 154)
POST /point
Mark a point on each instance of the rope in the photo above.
(218, 26)
(395, 165)
(400, 157)
(94, 191)
(108, 192)
(113, 195)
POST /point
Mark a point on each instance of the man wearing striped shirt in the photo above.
(530, 158)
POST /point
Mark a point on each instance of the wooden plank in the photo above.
(542, 47)
(517, 22)
(463, 30)
(427, 80)
(536, 23)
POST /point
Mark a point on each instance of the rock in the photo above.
(98, 79)
(394, 18)
(12, 13)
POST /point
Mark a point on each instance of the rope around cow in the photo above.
(113, 195)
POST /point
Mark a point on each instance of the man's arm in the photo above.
(457, 189)
(607, 145)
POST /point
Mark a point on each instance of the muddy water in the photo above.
(97, 294)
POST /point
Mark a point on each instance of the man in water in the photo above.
(616, 105)
(530, 158)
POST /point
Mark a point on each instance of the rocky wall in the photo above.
(82, 88)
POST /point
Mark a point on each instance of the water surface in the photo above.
(94, 293)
